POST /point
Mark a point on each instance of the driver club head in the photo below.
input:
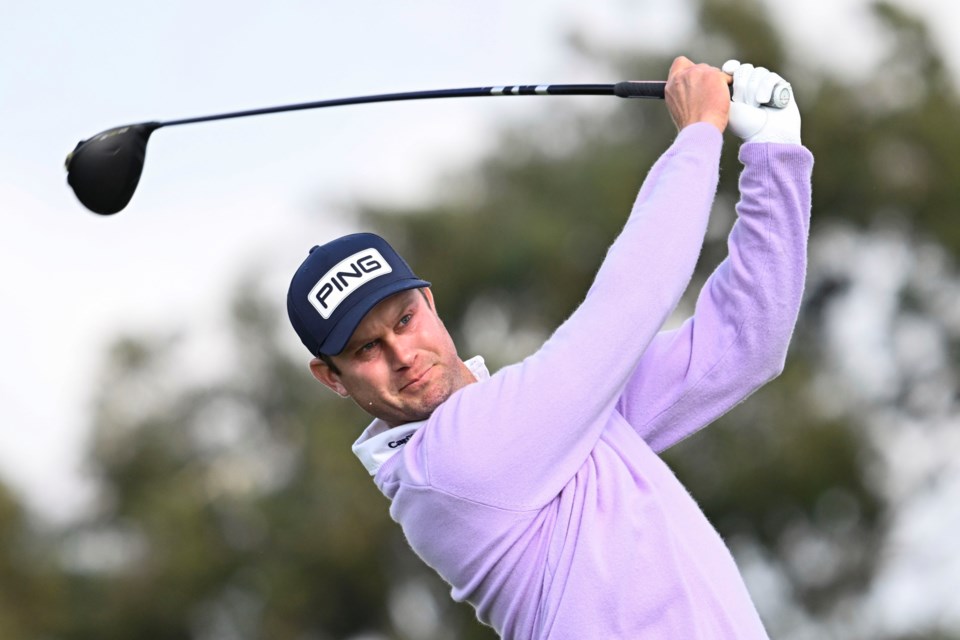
(104, 170)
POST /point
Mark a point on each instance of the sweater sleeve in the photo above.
(516, 439)
(737, 338)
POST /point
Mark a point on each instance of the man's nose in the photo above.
(402, 354)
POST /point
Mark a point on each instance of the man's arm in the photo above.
(514, 440)
(738, 337)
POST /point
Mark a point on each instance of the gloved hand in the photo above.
(749, 119)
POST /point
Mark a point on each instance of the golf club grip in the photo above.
(640, 89)
(779, 99)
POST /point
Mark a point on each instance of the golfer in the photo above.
(537, 492)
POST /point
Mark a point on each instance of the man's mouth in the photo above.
(417, 381)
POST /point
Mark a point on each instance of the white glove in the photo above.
(749, 118)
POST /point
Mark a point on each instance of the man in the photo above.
(537, 492)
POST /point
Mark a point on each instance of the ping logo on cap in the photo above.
(344, 278)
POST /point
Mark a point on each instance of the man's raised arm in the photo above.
(737, 338)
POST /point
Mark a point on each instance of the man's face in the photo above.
(400, 364)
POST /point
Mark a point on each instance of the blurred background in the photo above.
(169, 468)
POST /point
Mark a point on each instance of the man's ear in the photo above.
(428, 293)
(330, 379)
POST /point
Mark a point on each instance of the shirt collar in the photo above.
(379, 442)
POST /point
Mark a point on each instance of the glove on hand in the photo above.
(749, 119)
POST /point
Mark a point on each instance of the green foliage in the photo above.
(28, 584)
(527, 235)
(892, 139)
(775, 475)
(241, 513)
(233, 507)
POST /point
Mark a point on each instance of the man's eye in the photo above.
(405, 320)
(368, 347)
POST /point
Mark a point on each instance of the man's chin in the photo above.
(427, 403)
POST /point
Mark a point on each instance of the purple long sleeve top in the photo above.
(537, 493)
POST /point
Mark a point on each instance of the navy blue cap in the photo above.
(339, 283)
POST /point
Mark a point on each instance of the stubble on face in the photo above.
(411, 369)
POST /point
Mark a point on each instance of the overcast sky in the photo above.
(224, 199)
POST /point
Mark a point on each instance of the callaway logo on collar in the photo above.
(379, 442)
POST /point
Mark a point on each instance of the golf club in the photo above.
(104, 170)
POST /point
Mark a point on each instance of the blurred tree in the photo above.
(516, 250)
(233, 507)
(230, 509)
(891, 138)
(29, 581)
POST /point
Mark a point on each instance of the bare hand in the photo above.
(697, 93)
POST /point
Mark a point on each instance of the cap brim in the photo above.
(341, 333)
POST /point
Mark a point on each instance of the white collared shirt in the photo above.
(379, 442)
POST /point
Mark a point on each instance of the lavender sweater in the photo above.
(537, 493)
